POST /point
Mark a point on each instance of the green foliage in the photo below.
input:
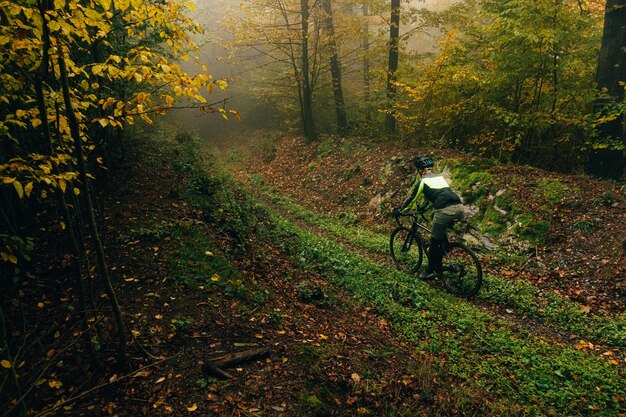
(584, 225)
(552, 190)
(350, 172)
(493, 222)
(511, 80)
(347, 217)
(325, 148)
(471, 179)
(149, 234)
(313, 294)
(182, 324)
(606, 199)
(531, 229)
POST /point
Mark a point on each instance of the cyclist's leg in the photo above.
(441, 221)
(435, 250)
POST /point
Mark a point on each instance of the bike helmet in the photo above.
(423, 162)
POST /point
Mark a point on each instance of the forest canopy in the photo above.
(507, 79)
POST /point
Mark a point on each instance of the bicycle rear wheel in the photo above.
(461, 273)
(406, 249)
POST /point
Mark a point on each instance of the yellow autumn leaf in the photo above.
(215, 278)
(55, 384)
(5, 364)
(62, 185)
(192, 408)
(28, 189)
(18, 188)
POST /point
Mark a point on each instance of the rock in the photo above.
(376, 202)
(470, 211)
(470, 239)
(499, 210)
(487, 243)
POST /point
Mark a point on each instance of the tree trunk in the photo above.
(609, 163)
(394, 37)
(307, 93)
(93, 227)
(335, 68)
(365, 43)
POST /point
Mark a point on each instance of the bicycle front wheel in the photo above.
(462, 273)
(406, 249)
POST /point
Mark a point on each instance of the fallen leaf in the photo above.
(5, 364)
(215, 278)
(158, 381)
(55, 384)
(585, 309)
(356, 378)
(192, 408)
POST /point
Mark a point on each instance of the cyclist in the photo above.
(448, 208)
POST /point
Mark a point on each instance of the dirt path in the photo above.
(532, 327)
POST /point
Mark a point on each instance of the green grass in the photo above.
(549, 308)
(478, 348)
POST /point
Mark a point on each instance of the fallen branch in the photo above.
(214, 366)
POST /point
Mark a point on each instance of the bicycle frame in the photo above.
(415, 224)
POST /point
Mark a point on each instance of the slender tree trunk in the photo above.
(394, 37)
(93, 227)
(41, 77)
(335, 68)
(611, 71)
(307, 93)
(365, 44)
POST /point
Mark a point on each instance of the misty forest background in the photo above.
(531, 82)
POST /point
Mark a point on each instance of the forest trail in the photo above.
(536, 327)
(532, 320)
(206, 265)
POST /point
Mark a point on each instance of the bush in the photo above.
(535, 231)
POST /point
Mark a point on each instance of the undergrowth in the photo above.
(489, 357)
(550, 308)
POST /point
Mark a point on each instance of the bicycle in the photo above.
(462, 273)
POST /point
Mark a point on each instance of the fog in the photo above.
(255, 117)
